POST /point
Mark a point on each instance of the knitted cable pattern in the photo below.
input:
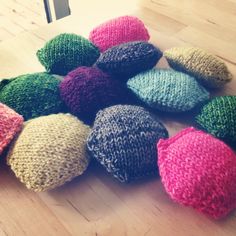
(86, 90)
(128, 59)
(66, 52)
(49, 151)
(218, 117)
(205, 67)
(117, 31)
(199, 170)
(32, 95)
(10, 124)
(123, 140)
(167, 90)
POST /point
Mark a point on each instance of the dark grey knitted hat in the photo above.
(128, 59)
(124, 140)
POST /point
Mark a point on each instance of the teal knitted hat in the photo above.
(168, 90)
(32, 95)
(66, 52)
(218, 117)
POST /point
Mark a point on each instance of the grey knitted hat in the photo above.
(123, 140)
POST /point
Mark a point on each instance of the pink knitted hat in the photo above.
(199, 170)
(118, 30)
(10, 124)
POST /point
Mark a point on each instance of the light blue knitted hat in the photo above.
(168, 90)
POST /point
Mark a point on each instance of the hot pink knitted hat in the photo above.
(10, 124)
(199, 170)
(118, 30)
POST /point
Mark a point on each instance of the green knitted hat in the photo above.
(167, 90)
(218, 117)
(32, 95)
(66, 52)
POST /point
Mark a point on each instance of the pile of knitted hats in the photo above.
(105, 106)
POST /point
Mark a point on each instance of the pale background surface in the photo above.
(96, 204)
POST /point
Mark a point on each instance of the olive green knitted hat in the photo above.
(205, 67)
(32, 95)
(66, 52)
(218, 117)
(49, 151)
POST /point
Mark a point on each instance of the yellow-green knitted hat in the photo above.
(205, 67)
(49, 151)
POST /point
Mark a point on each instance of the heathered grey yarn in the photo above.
(123, 140)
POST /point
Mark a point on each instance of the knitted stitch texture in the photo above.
(199, 170)
(117, 31)
(65, 52)
(49, 151)
(32, 95)
(86, 90)
(167, 90)
(205, 67)
(218, 117)
(128, 59)
(10, 124)
(123, 140)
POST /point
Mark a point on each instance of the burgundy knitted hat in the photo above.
(10, 124)
(86, 90)
(199, 170)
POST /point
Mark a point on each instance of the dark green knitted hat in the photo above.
(32, 95)
(66, 52)
(218, 117)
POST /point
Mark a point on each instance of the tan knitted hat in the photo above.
(205, 67)
(49, 151)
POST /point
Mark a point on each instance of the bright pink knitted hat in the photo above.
(199, 170)
(118, 30)
(10, 124)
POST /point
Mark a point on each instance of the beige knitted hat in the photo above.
(49, 151)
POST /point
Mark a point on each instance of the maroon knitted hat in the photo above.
(86, 90)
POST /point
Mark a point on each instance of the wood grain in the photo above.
(95, 203)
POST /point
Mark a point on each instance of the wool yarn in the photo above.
(10, 124)
(123, 139)
(205, 67)
(32, 95)
(167, 90)
(66, 52)
(117, 31)
(218, 117)
(86, 90)
(49, 151)
(199, 170)
(128, 59)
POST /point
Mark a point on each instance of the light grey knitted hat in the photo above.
(124, 140)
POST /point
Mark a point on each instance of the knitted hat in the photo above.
(123, 140)
(86, 90)
(65, 52)
(218, 117)
(199, 170)
(32, 95)
(128, 59)
(49, 151)
(167, 90)
(118, 30)
(10, 124)
(208, 69)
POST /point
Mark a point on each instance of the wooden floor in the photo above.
(17, 16)
(96, 204)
